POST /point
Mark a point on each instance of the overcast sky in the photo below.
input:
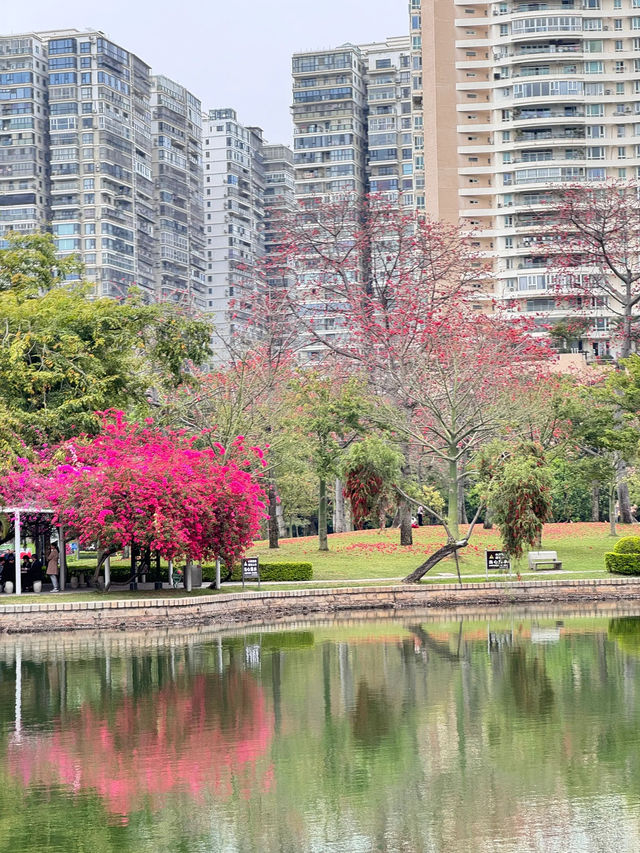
(229, 53)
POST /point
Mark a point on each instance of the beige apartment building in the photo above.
(510, 101)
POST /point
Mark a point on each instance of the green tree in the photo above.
(370, 468)
(66, 355)
(331, 415)
(519, 495)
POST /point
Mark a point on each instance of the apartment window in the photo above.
(384, 63)
(595, 152)
(617, 4)
(622, 153)
(617, 23)
(592, 24)
(594, 67)
(595, 109)
(619, 45)
(504, 29)
(506, 135)
(85, 78)
(619, 67)
(620, 130)
(85, 62)
(85, 47)
(622, 173)
(635, 23)
(619, 88)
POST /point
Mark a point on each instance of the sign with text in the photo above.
(250, 569)
(497, 561)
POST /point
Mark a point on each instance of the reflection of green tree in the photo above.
(626, 633)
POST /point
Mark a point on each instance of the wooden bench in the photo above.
(539, 559)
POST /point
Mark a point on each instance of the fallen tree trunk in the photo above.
(434, 559)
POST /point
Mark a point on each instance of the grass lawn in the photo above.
(372, 554)
(377, 554)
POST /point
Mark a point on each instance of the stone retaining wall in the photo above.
(226, 610)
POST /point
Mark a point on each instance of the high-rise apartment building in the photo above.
(234, 187)
(389, 140)
(179, 259)
(24, 132)
(519, 98)
(330, 118)
(100, 151)
(279, 203)
(80, 155)
(352, 116)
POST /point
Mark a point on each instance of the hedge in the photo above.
(623, 564)
(627, 545)
(268, 572)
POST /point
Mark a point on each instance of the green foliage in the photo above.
(622, 564)
(627, 545)
(268, 572)
(67, 355)
(571, 484)
(519, 496)
(370, 467)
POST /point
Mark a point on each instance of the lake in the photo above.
(508, 734)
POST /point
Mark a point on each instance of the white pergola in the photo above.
(18, 513)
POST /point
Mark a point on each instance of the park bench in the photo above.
(543, 559)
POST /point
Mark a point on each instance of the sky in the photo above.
(229, 53)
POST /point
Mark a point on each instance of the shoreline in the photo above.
(250, 609)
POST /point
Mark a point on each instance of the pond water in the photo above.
(514, 734)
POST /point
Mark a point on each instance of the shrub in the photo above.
(623, 564)
(627, 545)
(268, 572)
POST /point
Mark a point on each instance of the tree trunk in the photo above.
(322, 517)
(348, 518)
(282, 525)
(462, 509)
(273, 515)
(433, 560)
(404, 512)
(340, 524)
(595, 502)
(452, 512)
(612, 512)
(487, 523)
(624, 502)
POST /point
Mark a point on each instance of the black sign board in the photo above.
(497, 561)
(251, 569)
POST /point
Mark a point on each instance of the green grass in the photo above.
(373, 554)
(377, 554)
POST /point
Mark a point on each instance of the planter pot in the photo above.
(8, 587)
(73, 582)
(37, 586)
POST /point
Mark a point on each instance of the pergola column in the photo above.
(16, 545)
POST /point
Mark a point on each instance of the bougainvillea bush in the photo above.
(136, 484)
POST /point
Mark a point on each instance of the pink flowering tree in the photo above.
(158, 490)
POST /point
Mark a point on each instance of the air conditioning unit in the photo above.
(607, 91)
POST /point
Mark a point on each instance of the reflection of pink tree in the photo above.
(176, 741)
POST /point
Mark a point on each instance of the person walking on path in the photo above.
(420, 516)
(52, 566)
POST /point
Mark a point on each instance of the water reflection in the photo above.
(509, 735)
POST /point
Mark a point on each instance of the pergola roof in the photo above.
(31, 509)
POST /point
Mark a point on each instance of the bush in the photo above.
(268, 572)
(627, 545)
(623, 564)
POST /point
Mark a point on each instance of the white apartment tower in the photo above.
(179, 248)
(80, 155)
(24, 132)
(535, 95)
(234, 185)
(389, 141)
(279, 202)
(329, 116)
